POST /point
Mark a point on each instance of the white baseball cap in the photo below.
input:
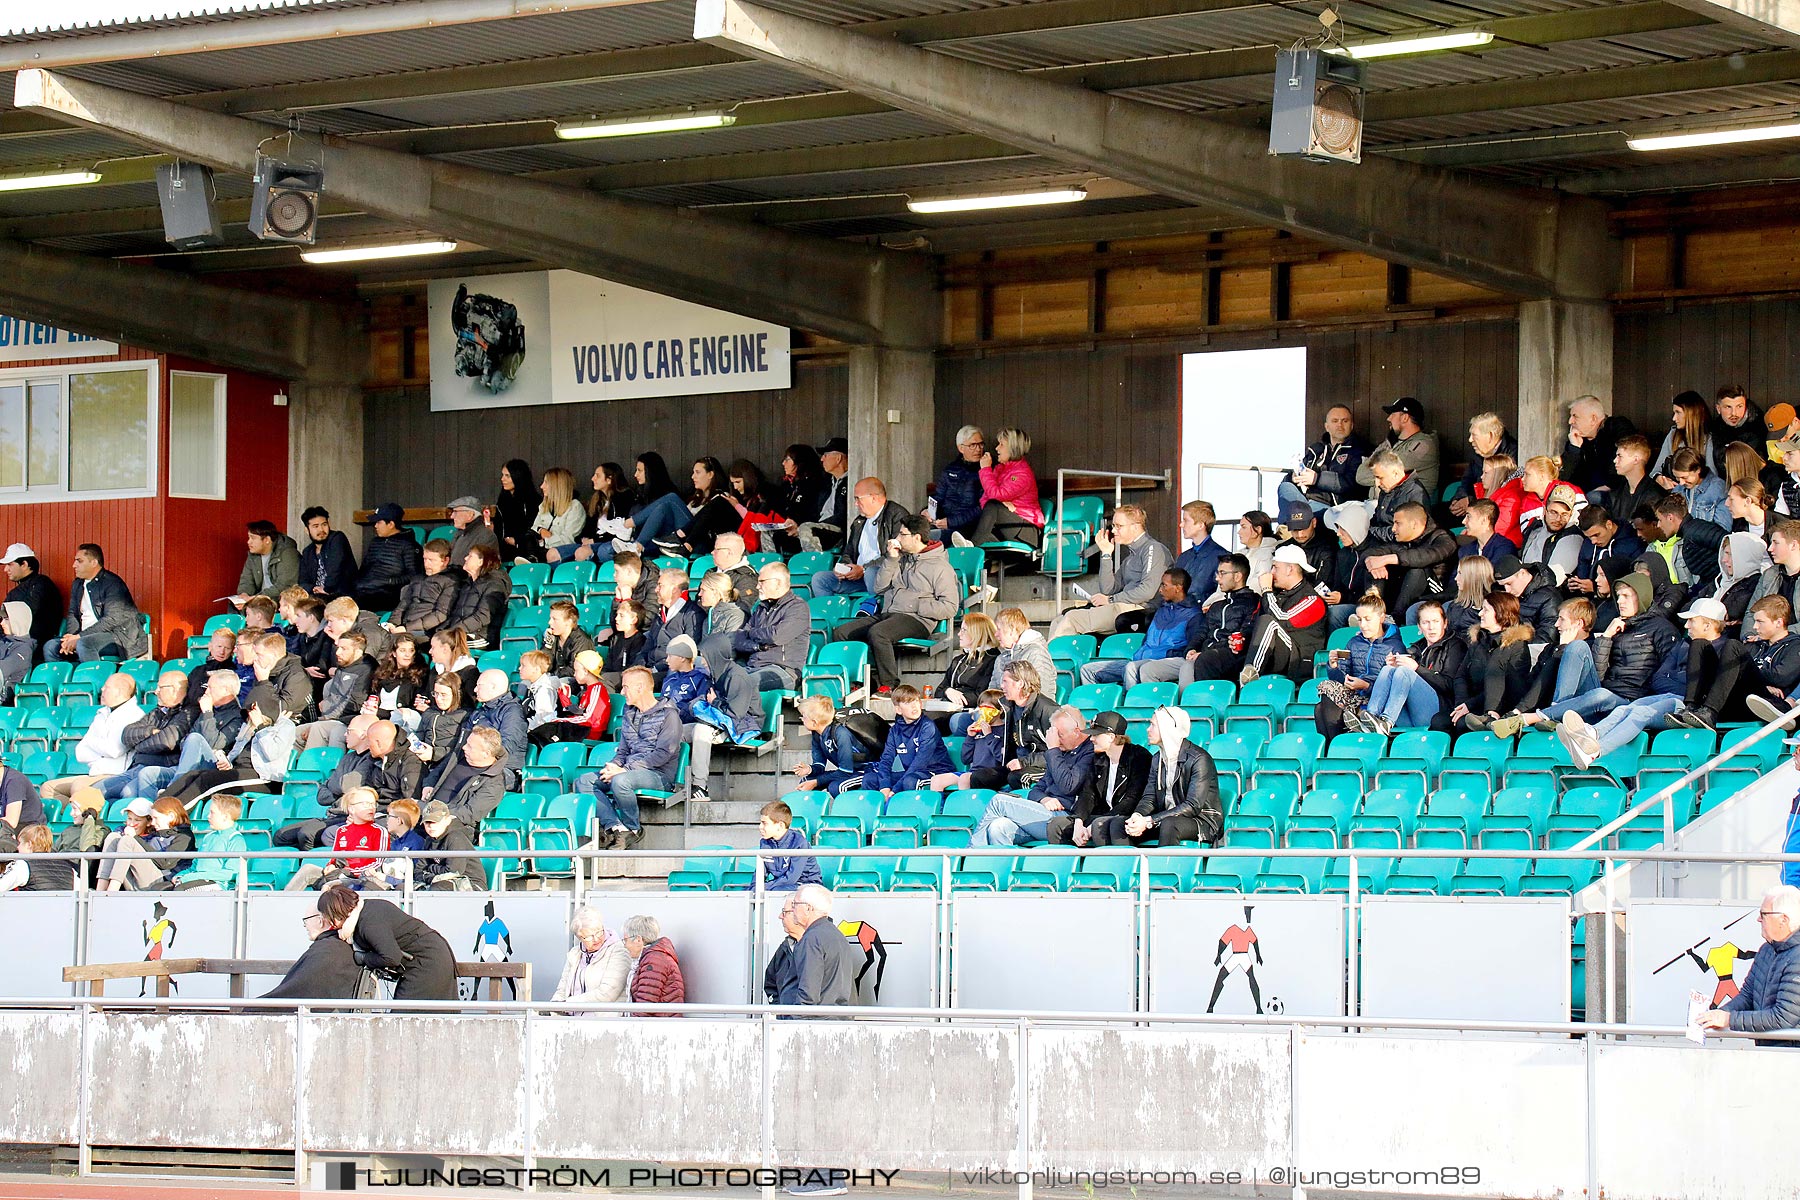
(1294, 555)
(1709, 608)
(16, 551)
(139, 807)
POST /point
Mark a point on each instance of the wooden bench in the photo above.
(163, 970)
(411, 516)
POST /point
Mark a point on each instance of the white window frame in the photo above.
(219, 427)
(153, 429)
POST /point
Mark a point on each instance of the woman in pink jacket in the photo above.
(1010, 508)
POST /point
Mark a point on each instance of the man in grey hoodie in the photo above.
(1131, 568)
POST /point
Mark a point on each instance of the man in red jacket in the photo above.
(655, 971)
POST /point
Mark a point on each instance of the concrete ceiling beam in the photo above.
(1528, 242)
(853, 293)
(300, 340)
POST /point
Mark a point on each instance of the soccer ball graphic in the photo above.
(1275, 1006)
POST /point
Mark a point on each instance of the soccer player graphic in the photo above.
(158, 937)
(1239, 950)
(493, 944)
(873, 948)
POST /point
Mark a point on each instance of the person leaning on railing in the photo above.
(1770, 997)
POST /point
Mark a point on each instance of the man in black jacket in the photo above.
(327, 564)
(32, 588)
(877, 523)
(1326, 476)
(1776, 654)
(564, 639)
(426, 602)
(1222, 635)
(1587, 456)
(1535, 586)
(1418, 564)
(105, 621)
(1180, 801)
(391, 560)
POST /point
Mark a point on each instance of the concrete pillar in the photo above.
(1565, 352)
(325, 453)
(892, 414)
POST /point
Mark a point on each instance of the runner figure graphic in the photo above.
(1239, 950)
(158, 937)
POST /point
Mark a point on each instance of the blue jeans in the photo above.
(1338, 615)
(616, 803)
(1010, 821)
(148, 781)
(1403, 698)
(662, 516)
(1596, 702)
(1104, 670)
(960, 722)
(1575, 674)
(830, 583)
(1287, 493)
(1631, 719)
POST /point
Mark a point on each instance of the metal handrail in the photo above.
(1118, 478)
(1201, 468)
(1664, 795)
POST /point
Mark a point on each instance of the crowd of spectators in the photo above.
(1616, 587)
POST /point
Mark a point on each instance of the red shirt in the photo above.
(352, 836)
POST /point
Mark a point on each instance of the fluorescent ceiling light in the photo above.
(20, 183)
(631, 126)
(363, 253)
(1420, 43)
(1715, 137)
(952, 204)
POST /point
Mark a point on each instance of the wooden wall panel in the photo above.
(1703, 346)
(1455, 371)
(1027, 310)
(1144, 298)
(1106, 409)
(418, 457)
(1336, 285)
(1739, 259)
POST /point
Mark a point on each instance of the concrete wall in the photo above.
(1673, 1121)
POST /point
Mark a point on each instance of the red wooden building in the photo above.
(158, 459)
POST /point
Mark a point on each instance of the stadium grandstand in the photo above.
(998, 610)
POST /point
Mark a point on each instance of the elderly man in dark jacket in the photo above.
(497, 709)
(1068, 769)
(958, 488)
(647, 759)
(391, 560)
(770, 653)
(475, 782)
(103, 620)
(1770, 997)
(825, 963)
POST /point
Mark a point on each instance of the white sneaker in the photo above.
(1765, 709)
(957, 539)
(698, 796)
(981, 596)
(1578, 737)
(618, 527)
(627, 548)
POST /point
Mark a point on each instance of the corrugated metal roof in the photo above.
(1241, 100)
(94, 16)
